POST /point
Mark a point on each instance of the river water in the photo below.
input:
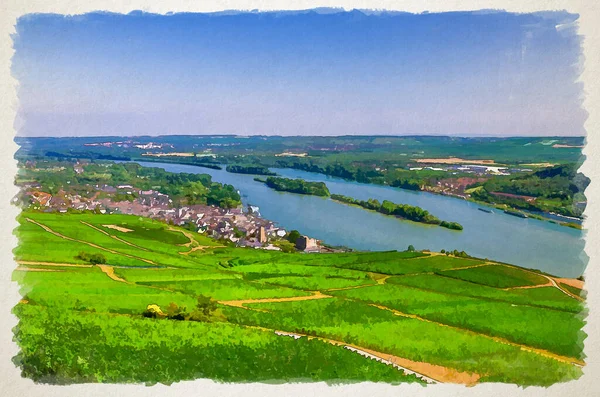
(525, 242)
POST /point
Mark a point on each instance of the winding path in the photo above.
(430, 373)
(49, 230)
(192, 244)
(550, 283)
(240, 303)
(51, 264)
(541, 352)
(379, 281)
(114, 237)
(110, 272)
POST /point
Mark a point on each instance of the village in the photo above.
(243, 226)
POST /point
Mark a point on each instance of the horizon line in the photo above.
(306, 136)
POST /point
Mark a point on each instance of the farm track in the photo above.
(36, 269)
(431, 254)
(430, 373)
(49, 230)
(426, 371)
(541, 352)
(564, 291)
(573, 282)
(551, 280)
(548, 284)
(192, 244)
(379, 281)
(240, 303)
(114, 237)
(110, 272)
(318, 295)
(471, 266)
(51, 264)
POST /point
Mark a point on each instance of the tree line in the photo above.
(255, 169)
(406, 211)
(298, 186)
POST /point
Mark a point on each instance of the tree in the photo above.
(206, 305)
(293, 236)
(97, 259)
(176, 312)
(411, 248)
(94, 259)
(206, 310)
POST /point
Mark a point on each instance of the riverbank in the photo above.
(571, 222)
(526, 242)
(400, 211)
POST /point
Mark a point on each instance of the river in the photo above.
(527, 242)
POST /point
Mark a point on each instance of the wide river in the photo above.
(525, 242)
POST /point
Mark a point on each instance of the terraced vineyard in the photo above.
(166, 305)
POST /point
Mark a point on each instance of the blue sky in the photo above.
(299, 73)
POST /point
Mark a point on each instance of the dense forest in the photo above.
(254, 169)
(298, 186)
(395, 177)
(410, 212)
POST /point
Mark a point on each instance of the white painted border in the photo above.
(13, 385)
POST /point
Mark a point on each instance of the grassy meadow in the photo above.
(166, 305)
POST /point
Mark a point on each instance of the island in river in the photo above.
(404, 211)
(298, 186)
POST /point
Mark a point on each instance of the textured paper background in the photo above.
(13, 385)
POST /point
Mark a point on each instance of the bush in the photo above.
(153, 311)
(175, 312)
(94, 259)
(206, 310)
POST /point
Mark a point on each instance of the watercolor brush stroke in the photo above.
(321, 195)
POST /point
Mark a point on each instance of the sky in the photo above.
(299, 73)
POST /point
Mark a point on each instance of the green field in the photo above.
(222, 311)
(497, 276)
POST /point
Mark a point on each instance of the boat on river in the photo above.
(516, 213)
(485, 210)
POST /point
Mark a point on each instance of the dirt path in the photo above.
(242, 302)
(378, 281)
(110, 272)
(186, 234)
(114, 237)
(430, 373)
(573, 282)
(548, 284)
(36, 269)
(426, 256)
(201, 248)
(472, 266)
(541, 352)
(51, 264)
(564, 291)
(195, 246)
(552, 281)
(49, 230)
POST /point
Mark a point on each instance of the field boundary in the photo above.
(541, 352)
(114, 237)
(49, 230)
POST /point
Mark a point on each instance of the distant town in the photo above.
(242, 226)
